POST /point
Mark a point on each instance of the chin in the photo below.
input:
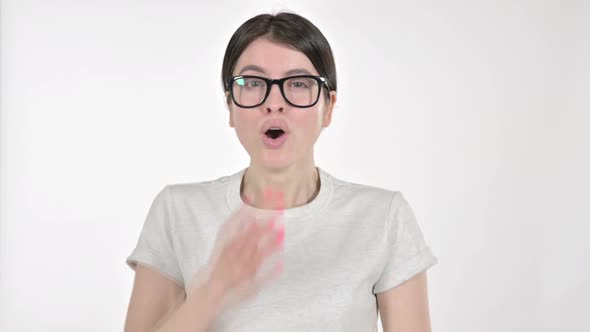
(275, 164)
(271, 160)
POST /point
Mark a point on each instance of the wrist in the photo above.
(215, 290)
(207, 295)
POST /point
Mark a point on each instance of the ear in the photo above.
(329, 109)
(228, 105)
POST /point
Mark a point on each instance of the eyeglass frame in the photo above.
(280, 82)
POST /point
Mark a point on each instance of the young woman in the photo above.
(280, 245)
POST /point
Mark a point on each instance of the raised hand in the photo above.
(243, 244)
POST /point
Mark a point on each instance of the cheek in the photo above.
(245, 125)
(310, 123)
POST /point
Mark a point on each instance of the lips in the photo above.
(274, 143)
(274, 133)
(275, 124)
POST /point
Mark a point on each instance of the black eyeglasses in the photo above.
(299, 91)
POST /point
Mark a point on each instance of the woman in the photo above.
(305, 251)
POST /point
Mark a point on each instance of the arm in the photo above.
(405, 308)
(158, 304)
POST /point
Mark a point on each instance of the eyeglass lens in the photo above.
(299, 91)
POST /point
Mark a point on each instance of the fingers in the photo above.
(272, 273)
(247, 212)
(247, 242)
(270, 198)
(274, 199)
(272, 241)
(240, 265)
(258, 242)
(241, 217)
(264, 274)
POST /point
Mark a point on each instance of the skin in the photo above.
(160, 304)
(405, 308)
(289, 170)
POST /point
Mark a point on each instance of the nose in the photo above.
(275, 100)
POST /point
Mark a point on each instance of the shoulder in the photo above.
(197, 191)
(189, 187)
(362, 192)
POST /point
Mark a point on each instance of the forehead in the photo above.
(274, 60)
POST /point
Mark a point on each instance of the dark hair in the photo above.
(287, 29)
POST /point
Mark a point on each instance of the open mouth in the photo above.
(274, 133)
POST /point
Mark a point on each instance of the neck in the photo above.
(299, 185)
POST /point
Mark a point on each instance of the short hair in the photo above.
(287, 29)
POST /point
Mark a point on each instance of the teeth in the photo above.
(275, 128)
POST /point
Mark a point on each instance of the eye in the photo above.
(250, 82)
(253, 83)
(299, 84)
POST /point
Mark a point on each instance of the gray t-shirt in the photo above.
(341, 249)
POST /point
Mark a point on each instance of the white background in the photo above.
(477, 111)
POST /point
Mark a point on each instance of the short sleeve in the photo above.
(407, 253)
(155, 245)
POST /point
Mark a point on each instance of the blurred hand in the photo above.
(243, 244)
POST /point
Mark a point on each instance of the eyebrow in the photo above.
(296, 71)
(253, 68)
